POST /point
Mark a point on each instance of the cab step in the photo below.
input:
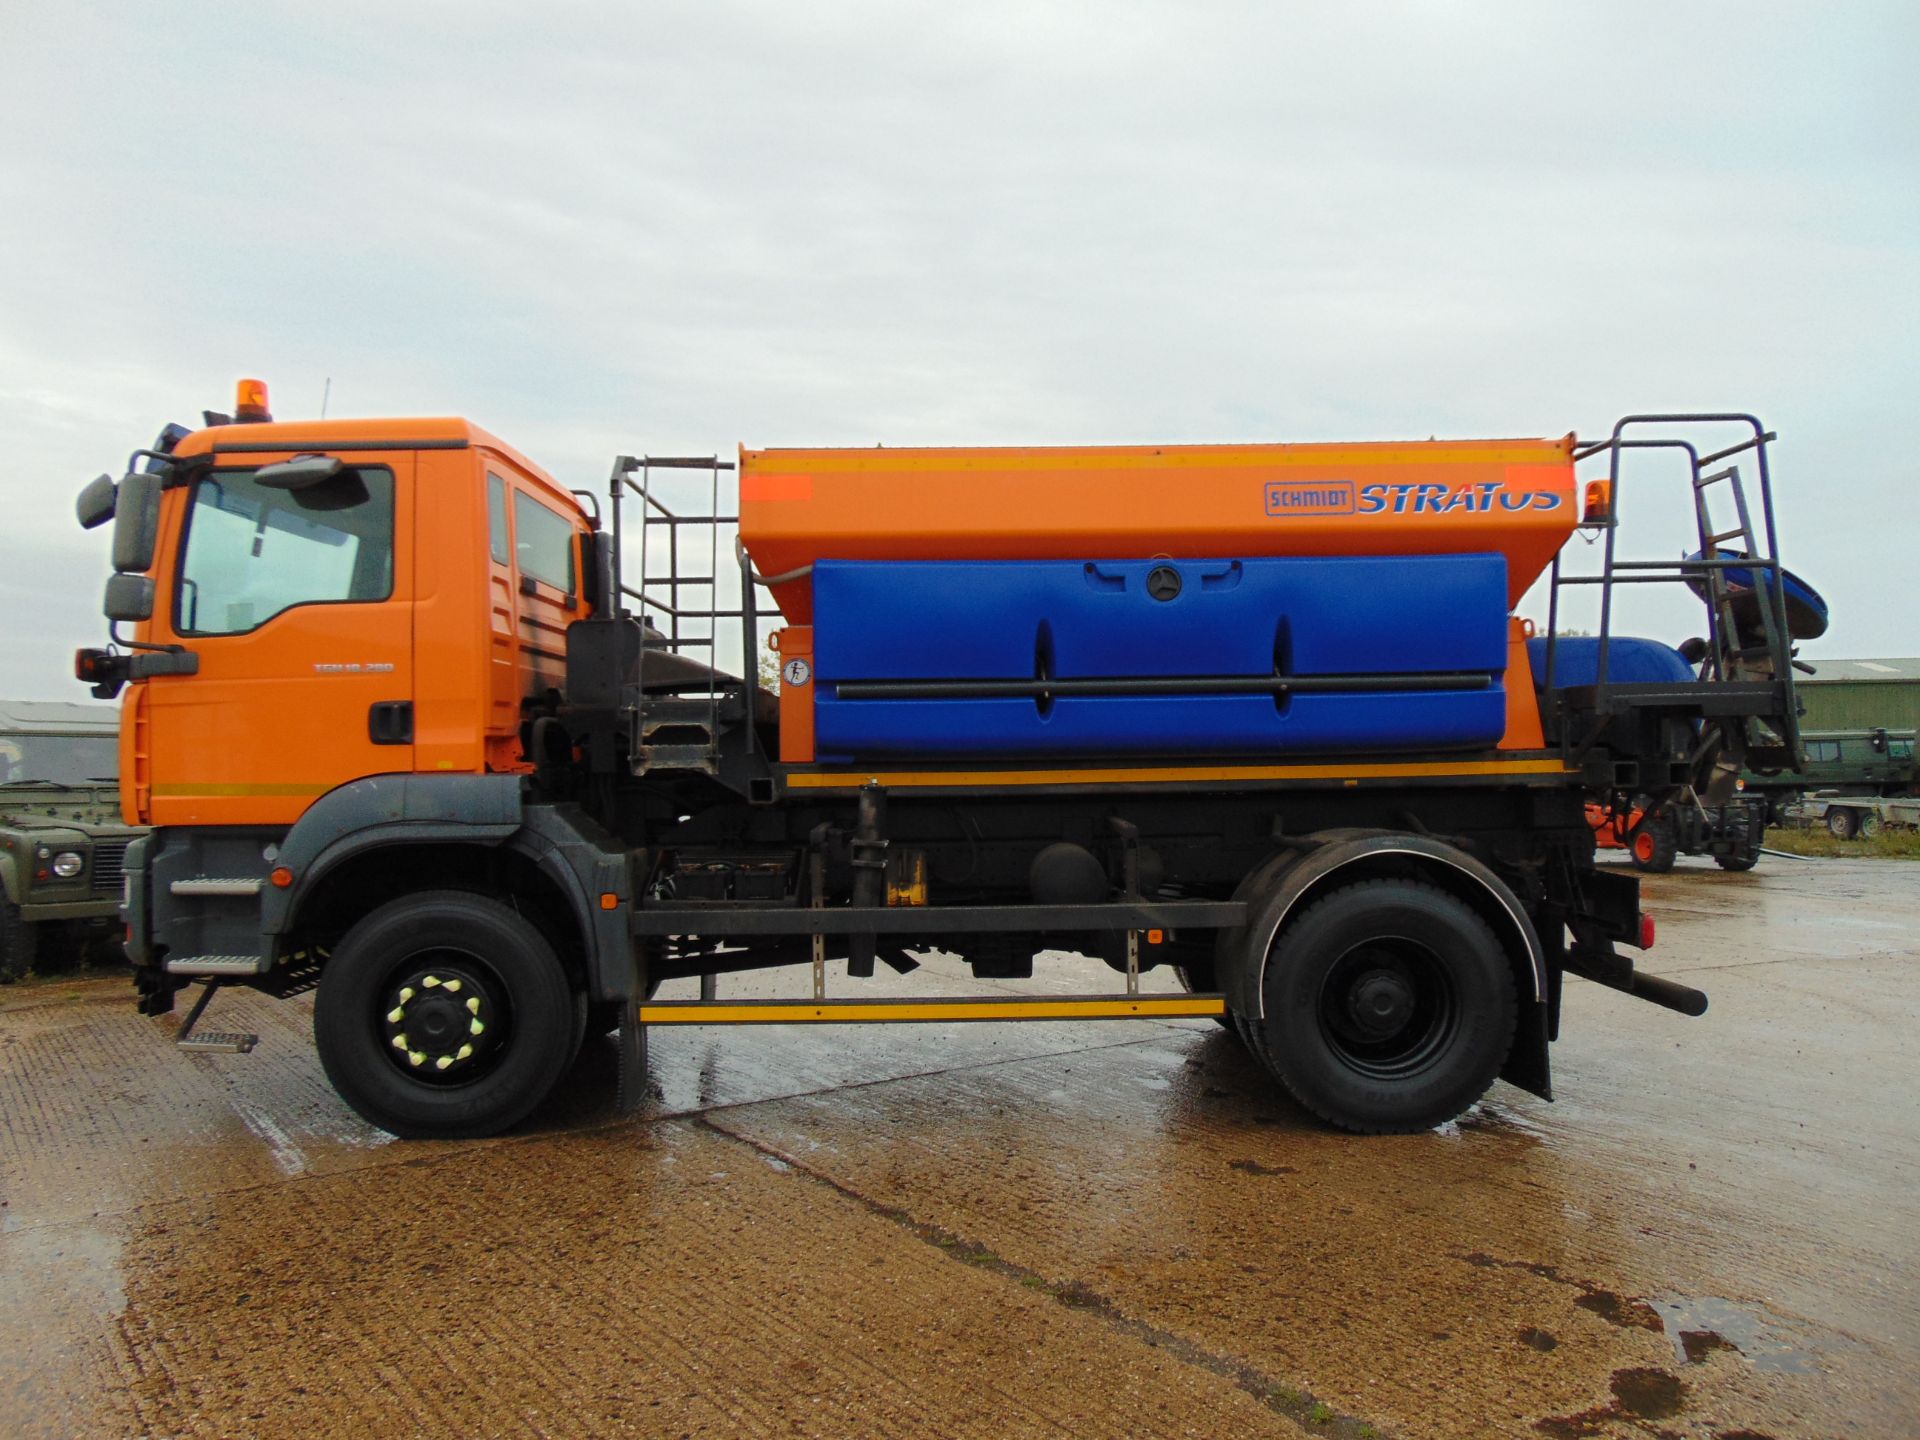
(214, 965)
(206, 885)
(223, 1042)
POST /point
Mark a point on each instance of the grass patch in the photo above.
(1888, 845)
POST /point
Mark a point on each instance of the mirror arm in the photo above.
(114, 637)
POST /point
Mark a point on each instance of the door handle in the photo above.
(390, 722)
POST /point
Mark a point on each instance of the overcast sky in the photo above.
(677, 228)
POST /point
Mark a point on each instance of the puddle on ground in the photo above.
(1639, 1393)
(1627, 1312)
(1702, 1324)
(1697, 1326)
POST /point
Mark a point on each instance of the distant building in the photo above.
(1861, 694)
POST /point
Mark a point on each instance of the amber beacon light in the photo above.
(250, 402)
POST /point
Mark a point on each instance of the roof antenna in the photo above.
(326, 395)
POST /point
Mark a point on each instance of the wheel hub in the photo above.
(1380, 1003)
(440, 1023)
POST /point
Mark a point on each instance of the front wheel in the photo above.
(1871, 825)
(1842, 823)
(1390, 1007)
(445, 1015)
(19, 939)
(1655, 845)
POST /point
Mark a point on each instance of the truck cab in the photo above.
(320, 602)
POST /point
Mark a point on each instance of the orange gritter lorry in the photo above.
(418, 725)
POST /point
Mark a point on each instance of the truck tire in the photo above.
(1842, 823)
(1389, 1007)
(1655, 845)
(445, 1015)
(1871, 825)
(19, 939)
(1749, 832)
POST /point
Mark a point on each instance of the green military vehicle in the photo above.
(1864, 762)
(62, 841)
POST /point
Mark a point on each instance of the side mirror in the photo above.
(300, 473)
(596, 555)
(136, 522)
(95, 505)
(129, 597)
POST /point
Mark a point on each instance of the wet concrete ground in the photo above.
(1004, 1230)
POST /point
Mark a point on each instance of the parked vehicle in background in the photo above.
(1849, 817)
(1869, 761)
(1732, 833)
(62, 841)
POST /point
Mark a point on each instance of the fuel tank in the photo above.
(1436, 497)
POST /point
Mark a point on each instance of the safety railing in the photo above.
(1731, 656)
(680, 607)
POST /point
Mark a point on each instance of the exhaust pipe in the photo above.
(1606, 966)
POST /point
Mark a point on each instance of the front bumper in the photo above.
(92, 908)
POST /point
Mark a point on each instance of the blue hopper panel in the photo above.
(990, 619)
(1365, 618)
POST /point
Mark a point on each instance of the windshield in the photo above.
(63, 759)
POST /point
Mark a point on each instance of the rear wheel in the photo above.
(1871, 825)
(1389, 1007)
(1842, 823)
(445, 1015)
(1654, 845)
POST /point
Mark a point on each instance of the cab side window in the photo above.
(497, 518)
(544, 543)
(253, 552)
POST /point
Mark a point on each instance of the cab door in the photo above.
(300, 606)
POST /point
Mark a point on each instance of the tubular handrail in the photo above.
(1762, 563)
(667, 595)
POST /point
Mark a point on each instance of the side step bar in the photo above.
(1010, 1007)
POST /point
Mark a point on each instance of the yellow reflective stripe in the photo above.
(1187, 774)
(222, 790)
(801, 1012)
